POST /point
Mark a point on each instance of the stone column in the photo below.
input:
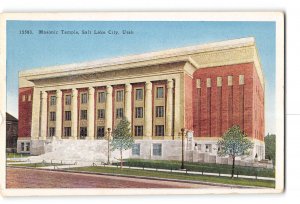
(35, 124)
(128, 111)
(148, 110)
(91, 116)
(178, 108)
(169, 109)
(44, 113)
(108, 108)
(74, 113)
(58, 121)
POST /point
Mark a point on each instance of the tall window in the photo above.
(120, 95)
(52, 131)
(157, 149)
(139, 94)
(84, 98)
(101, 113)
(29, 97)
(67, 131)
(138, 130)
(139, 112)
(160, 92)
(52, 100)
(67, 115)
(136, 149)
(101, 97)
(83, 132)
(159, 130)
(68, 99)
(119, 113)
(159, 111)
(52, 116)
(83, 114)
(100, 132)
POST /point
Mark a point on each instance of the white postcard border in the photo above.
(277, 17)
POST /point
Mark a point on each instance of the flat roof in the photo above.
(104, 64)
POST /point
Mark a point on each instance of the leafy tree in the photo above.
(234, 143)
(122, 139)
(270, 147)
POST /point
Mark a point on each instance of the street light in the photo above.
(182, 143)
(108, 145)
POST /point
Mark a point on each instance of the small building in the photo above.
(11, 133)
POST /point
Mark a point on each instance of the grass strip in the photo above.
(16, 155)
(180, 176)
(199, 167)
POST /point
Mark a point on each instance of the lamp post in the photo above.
(108, 145)
(182, 153)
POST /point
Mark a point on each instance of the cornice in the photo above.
(166, 54)
(206, 55)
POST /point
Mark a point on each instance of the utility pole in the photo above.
(108, 144)
(182, 143)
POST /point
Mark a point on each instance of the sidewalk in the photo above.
(76, 164)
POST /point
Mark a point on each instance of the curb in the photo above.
(141, 177)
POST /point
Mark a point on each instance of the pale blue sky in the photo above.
(31, 51)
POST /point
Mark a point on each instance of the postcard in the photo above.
(131, 103)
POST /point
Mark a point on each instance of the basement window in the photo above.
(157, 149)
(136, 149)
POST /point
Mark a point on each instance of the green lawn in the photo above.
(16, 155)
(199, 167)
(11, 161)
(37, 164)
(157, 174)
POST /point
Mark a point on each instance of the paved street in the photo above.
(31, 178)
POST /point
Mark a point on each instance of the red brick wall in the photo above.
(80, 90)
(136, 85)
(258, 110)
(188, 97)
(115, 89)
(97, 89)
(154, 84)
(218, 108)
(64, 93)
(25, 112)
(49, 94)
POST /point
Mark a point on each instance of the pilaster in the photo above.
(44, 113)
(35, 121)
(128, 110)
(169, 109)
(108, 108)
(74, 113)
(148, 110)
(58, 121)
(91, 118)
